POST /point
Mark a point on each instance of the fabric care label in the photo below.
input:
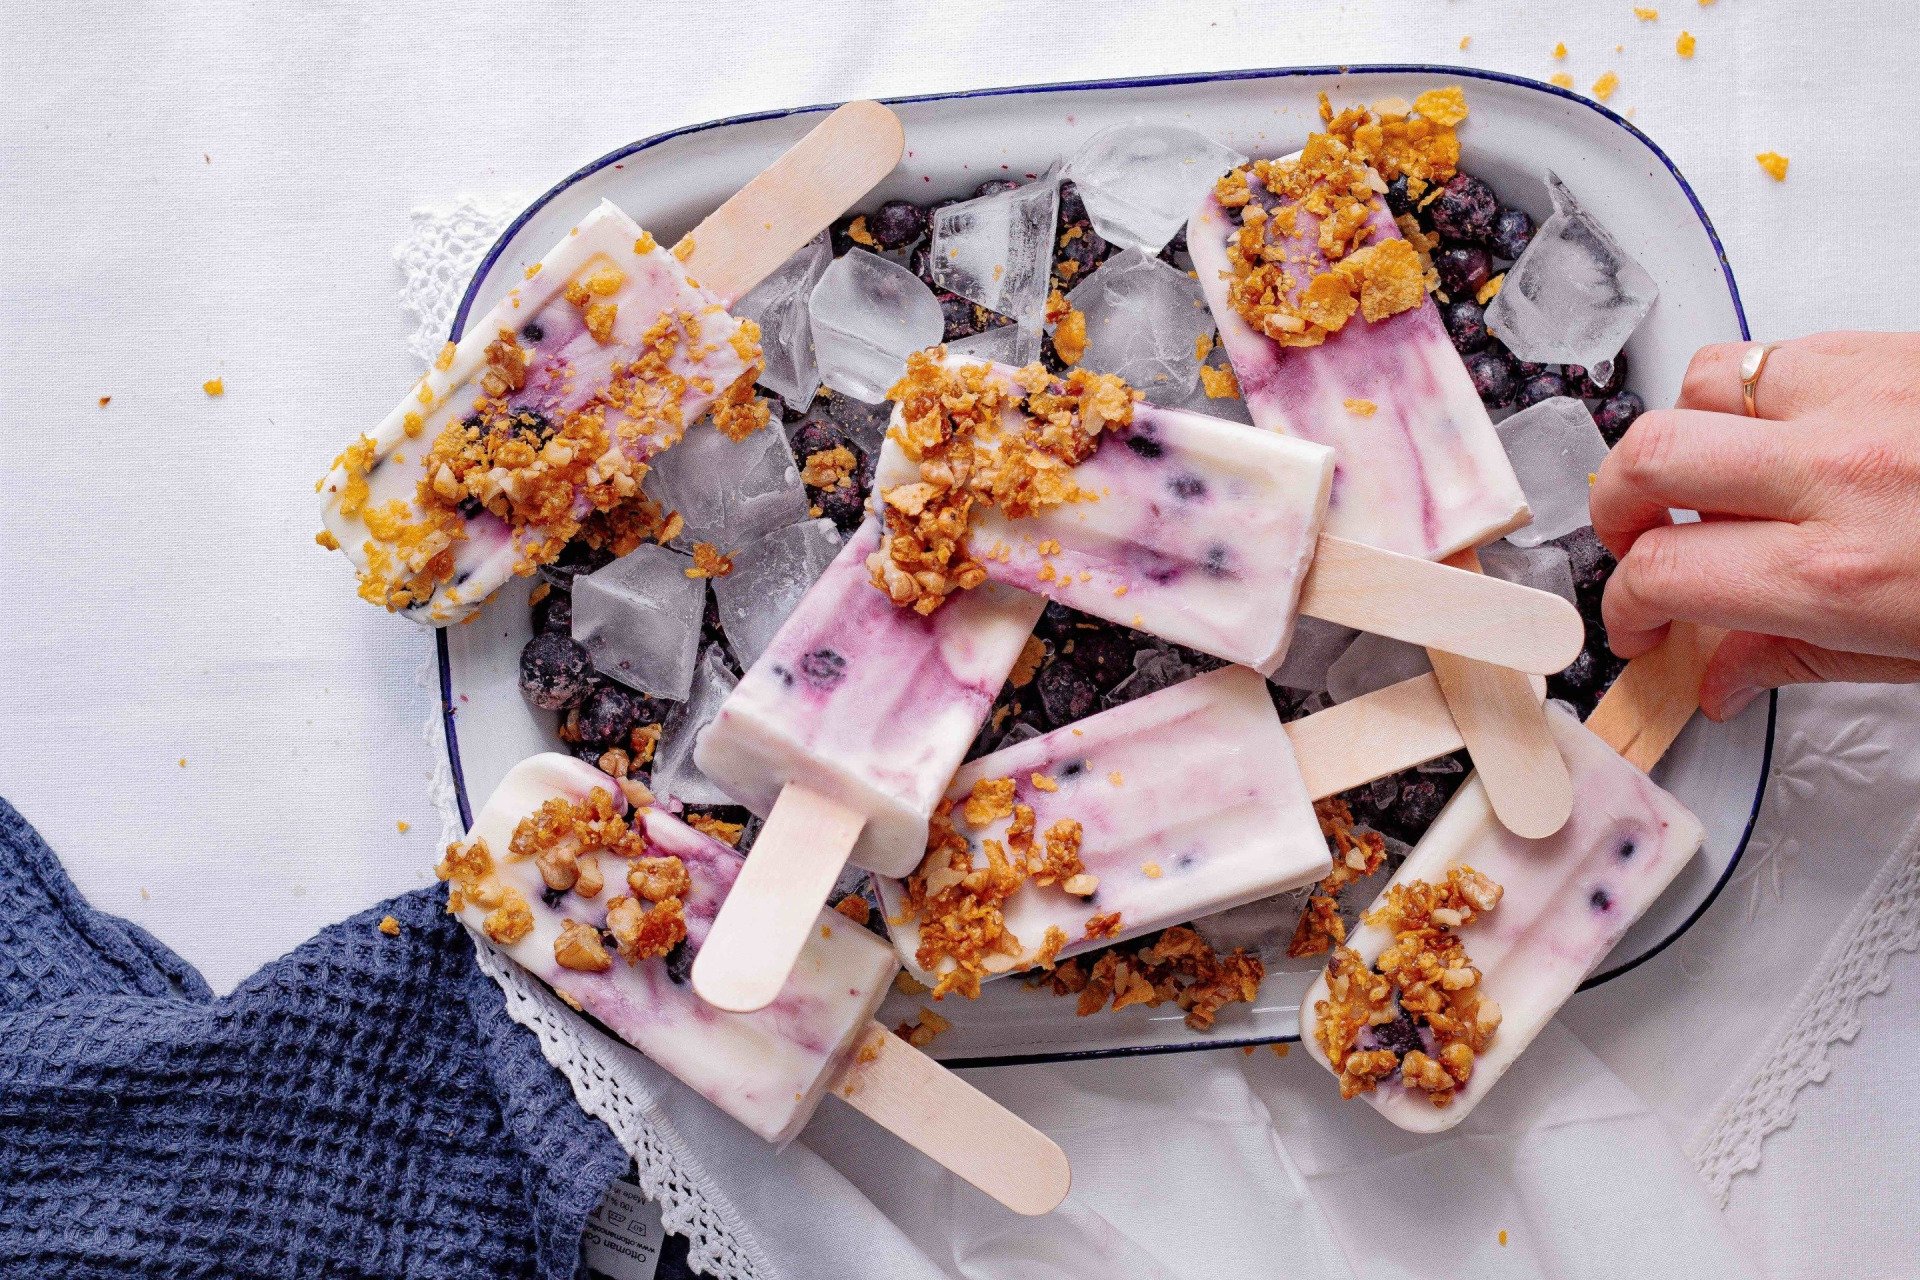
(624, 1235)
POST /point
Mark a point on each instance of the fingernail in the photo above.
(1735, 702)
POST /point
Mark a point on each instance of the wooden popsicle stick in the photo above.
(1439, 607)
(1382, 732)
(1505, 724)
(794, 199)
(1652, 700)
(936, 1112)
(772, 908)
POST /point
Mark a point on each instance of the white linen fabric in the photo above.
(208, 189)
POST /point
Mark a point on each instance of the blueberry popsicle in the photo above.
(537, 426)
(1482, 935)
(1189, 527)
(844, 735)
(607, 905)
(1175, 806)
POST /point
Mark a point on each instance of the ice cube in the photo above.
(674, 773)
(1153, 670)
(1374, 662)
(1020, 732)
(1574, 296)
(1315, 647)
(778, 305)
(1010, 344)
(639, 618)
(1141, 181)
(729, 492)
(1145, 322)
(1544, 568)
(769, 577)
(1556, 450)
(868, 315)
(998, 250)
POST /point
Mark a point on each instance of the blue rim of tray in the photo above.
(485, 268)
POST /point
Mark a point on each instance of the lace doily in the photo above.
(609, 1080)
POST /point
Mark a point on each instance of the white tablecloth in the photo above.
(222, 742)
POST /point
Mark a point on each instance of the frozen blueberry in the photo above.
(1542, 386)
(610, 714)
(554, 670)
(959, 318)
(1085, 251)
(1072, 208)
(1585, 386)
(575, 558)
(1577, 682)
(1465, 209)
(1104, 654)
(994, 186)
(1493, 378)
(1401, 1036)
(555, 613)
(845, 506)
(823, 668)
(1419, 804)
(1592, 562)
(1524, 369)
(1463, 269)
(920, 262)
(897, 224)
(1398, 201)
(840, 235)
(1512, 232)
(816, 435)
(1066, 693)
(532, 331)
(553, 897)
(679, 963)
(1466, 325)
(1616, 414)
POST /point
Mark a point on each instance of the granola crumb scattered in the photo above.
(1464, 42)
(858, 233)
(1425, 976)
(1775, 164)
(1281, 1050)
(830, 468)
(1151, 870)
(920, 1032)
(1604, 87)
(183, 762)
(1560, 50)
(390, 926)
(908, 985)
(105, 401)
(1685, 45)
(1491, 289)
(1219, 384)
(708, 562)
(214, 386)
(1646, 15)
(1177, 965)
(402, 826)
(1503, 1230)
(1361, 408)
(1356, 854)
(1069, 329)
(855, 908)
(1561, 80)
(727, 833)
(1027, 665)
(1042, 782)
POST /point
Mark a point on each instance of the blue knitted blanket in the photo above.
(361, 1107)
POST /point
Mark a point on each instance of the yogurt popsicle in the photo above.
(844, 735)
(607, 907)
(539, 421)
(1189, 527)
(1482, 935)
(1178, 805)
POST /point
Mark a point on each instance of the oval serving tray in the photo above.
(1518, 129)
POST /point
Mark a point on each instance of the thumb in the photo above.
(1747, 664)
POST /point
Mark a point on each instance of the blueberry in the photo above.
(1056, 621)
(994, 187)
(1145, 446)
(1187, 487)
(1463, 269)
(840, 236)
(817, 435)
(823, 668)
(1399, 202)
(1465, 209)
(858, 418)
(1542, 386)
(1176, 247)
(1066, 693)
(1524, 369)
(1493, 378)
(1512, 232)
(1600, 900)
(555, 613)
(553, 897)
(1085, 251)
(1591, 560)
(575, 558)
(897, 224)
(1104, 654)
(1578, 682)
(532, 331)
(1420, 802)
(610, 714)
(959, 318)
(845, 506)
(1466, 325)
(1400, 1035)
(1072, 208)
(1586, 387)
(1616, 414)
(554, 670)
(679, 963)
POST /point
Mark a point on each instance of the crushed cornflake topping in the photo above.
(1360, 408)
(830, 468)
(1423, 977)
(951, 426)
(1561, 80)
(920, 1033)
(402, 826)
(727, 833)
(708, 562)
(1604, 87)
(444, 360)
(1219, 384)
(1069, 328)
(858, 233)
(326, 539)
(1685, 45)
(1299, 282)
(1775, 164)
(1356, 854)
(214, 386)
(1560, 50)
(908, 985)
(105, 401)
(961, 907)
(1177, 965)
(1491, 289)
(390, 926)
(1027, 665)
(855, 908)
(1646, 15)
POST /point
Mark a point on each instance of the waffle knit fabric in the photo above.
(360, 1107)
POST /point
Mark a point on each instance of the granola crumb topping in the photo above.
(390, 926)
(708, 562)
(1219, 384)
(920, 1032)
(1299, 281)
(1424, 980)
(953, 427)
(1775, 164)
(1356, 855)
(1176, 965)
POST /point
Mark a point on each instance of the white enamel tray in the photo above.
(1518, 129)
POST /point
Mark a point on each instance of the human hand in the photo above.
(1808, 548)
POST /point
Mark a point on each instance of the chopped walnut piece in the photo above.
(727, 833)
(657, 879)
(642, 932)
(579, 948)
